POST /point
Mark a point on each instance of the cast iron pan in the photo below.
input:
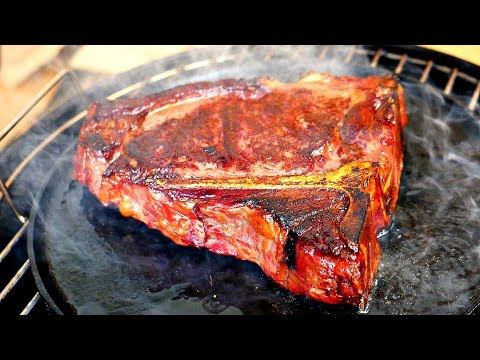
(88, 259)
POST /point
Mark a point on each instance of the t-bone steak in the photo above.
(296, 177)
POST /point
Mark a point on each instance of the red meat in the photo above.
(296, 177)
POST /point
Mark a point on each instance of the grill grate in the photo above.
(398, 62)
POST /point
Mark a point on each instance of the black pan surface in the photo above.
(88, 259)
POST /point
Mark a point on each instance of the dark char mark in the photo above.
(289, 248)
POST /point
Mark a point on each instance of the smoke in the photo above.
(434, 266)
(107, 264)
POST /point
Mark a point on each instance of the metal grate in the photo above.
(400, 61)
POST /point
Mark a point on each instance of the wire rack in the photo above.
(395, 61)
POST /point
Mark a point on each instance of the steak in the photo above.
(296, 177)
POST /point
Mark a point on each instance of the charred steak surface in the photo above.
(296, 177)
